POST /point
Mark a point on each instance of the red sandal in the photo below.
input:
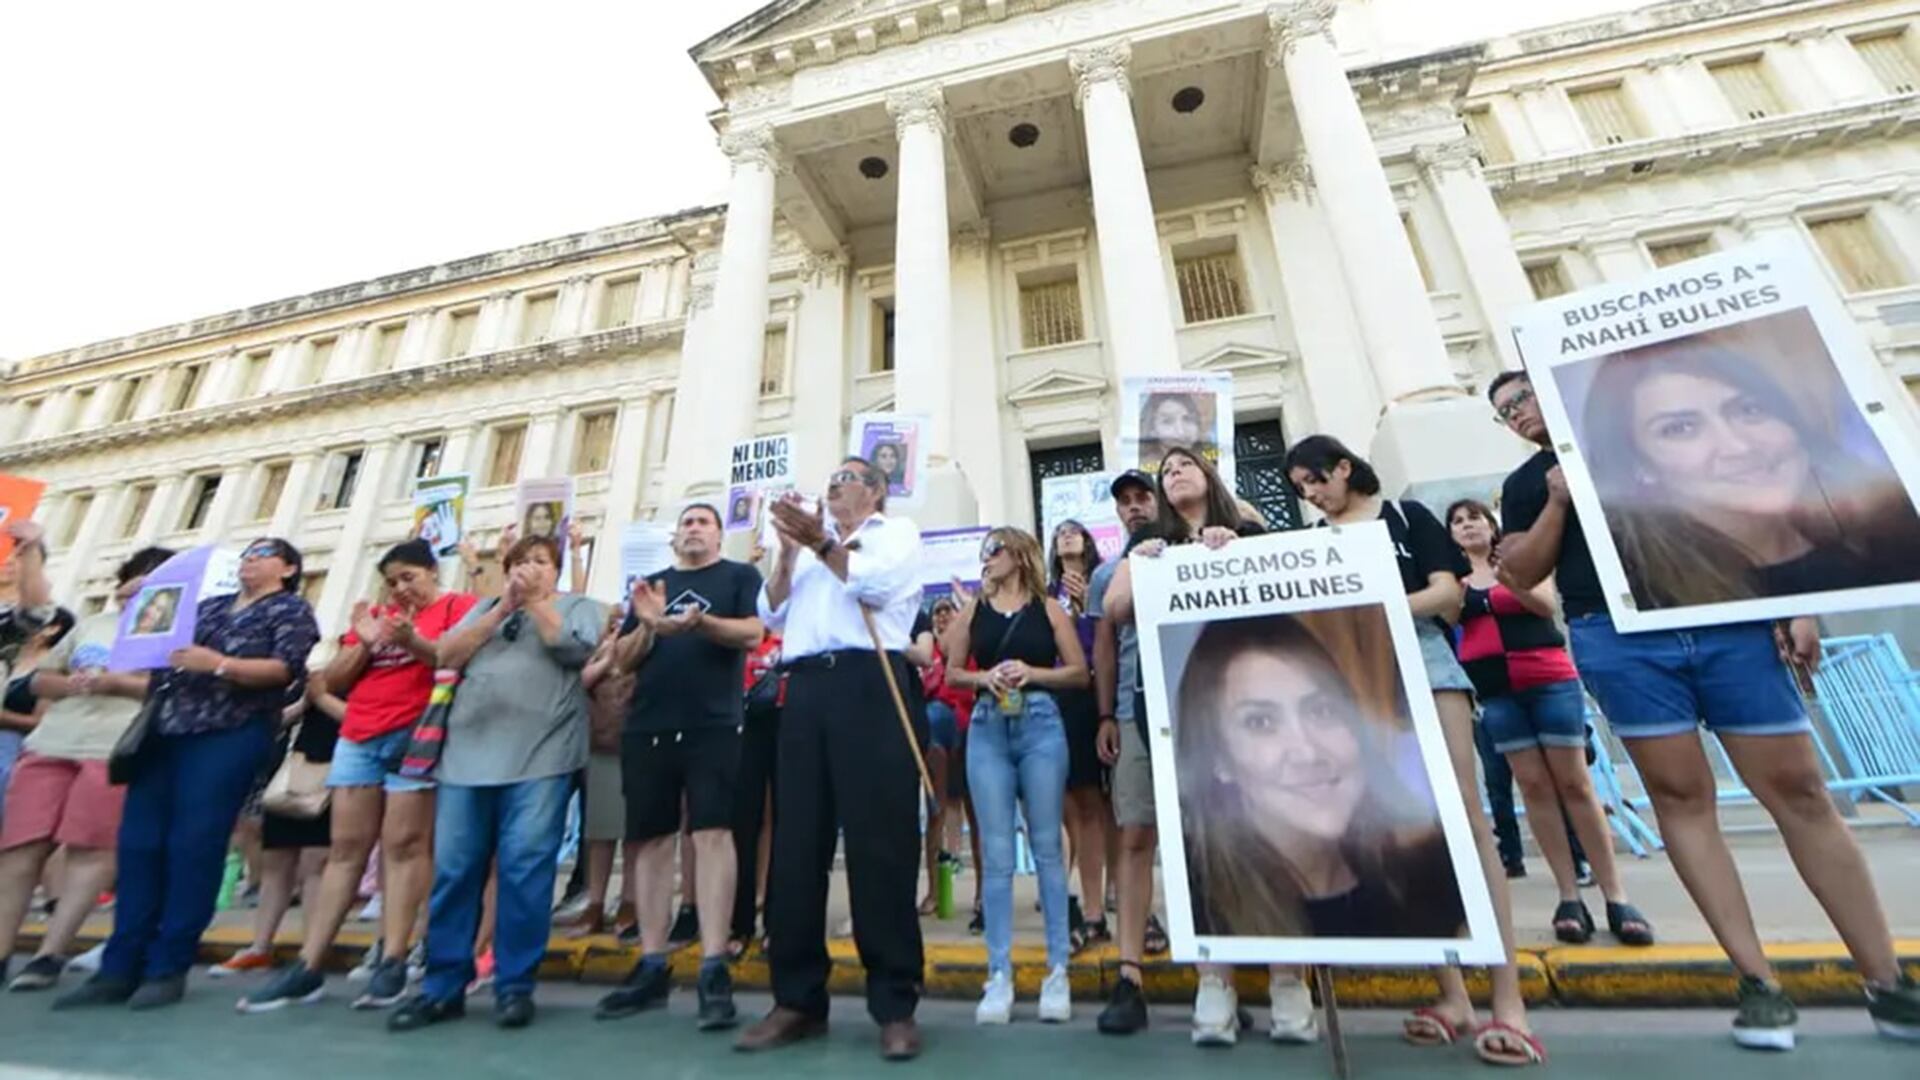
(1427, 1027)
(1530, 1052)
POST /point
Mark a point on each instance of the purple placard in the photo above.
(161, 616)
(946, 554)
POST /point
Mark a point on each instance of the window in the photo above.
(1887, 56)
(253, 373)
(536, 322)
(616, 304)
(427, 453)
(460, 326)
(1747, 88)
(185, 385)
(503, 465)
(1494, 147)
(138, 500)
(82, 405)
(1605, 115)
(29, 412)
(342, 476)
(1852, 247)
(1050, 312)
(593, 442)
(312, 582)
(386, 347)
(1547, 279)
(200, 502)
(94, 605)
(773, 363)
(882, 359)
(1210, 286)
(319, 353)
(1669, 252)
(1419, 252)
(77, 509)
(129, 399)
(272, 486)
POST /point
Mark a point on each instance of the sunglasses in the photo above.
(846, 476)
(1504, 414)
(991, 548)
(264, 550)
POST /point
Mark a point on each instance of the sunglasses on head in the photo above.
(1504, 414)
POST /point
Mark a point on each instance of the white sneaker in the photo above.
(1293, 1020)
(996, 1003)
(375, 953)
(1056, 997)
(1216, 1013)
(417, 961)
(372, 911)
(88, 961)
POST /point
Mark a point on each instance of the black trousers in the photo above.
(757, 752)
(844, 766)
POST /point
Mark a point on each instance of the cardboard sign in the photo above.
(440, 511)
(545, 508)
(162, 616)
(645, 549)
(19, 497)
(760, 463)
(947, 555)
(896, 445)
(1159, 413)
(1088, 499)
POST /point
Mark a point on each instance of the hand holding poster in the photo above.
(755, 467)
(949, 555)
(896, 445)
(1722, 429)
(161, 616)
(1159, 413)
(545, 508)
(440, 511)
(645, 549)
(1296, 745)
(18, 498)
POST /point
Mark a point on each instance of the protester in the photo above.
(604, 824)
(765, 692)
(1091, 833)
(844, 580)
(687, 638)
(214, 713)
(19, 708)
(385, 671)
(1535, 713)
(949, 711)
(26, 596)
(1025, 649)
(1657, 689)
(516, 735)
(59, 796)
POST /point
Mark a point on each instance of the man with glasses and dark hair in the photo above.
(845, 576)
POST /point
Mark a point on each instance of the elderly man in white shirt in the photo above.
(844, 763)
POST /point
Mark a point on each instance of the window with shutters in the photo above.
(426, 456)
(593, 442)
(77, 509)
(273, 484)
(319, 355)
(882, 323)
(1889, 58)
(1748, 89)
(1605, 114)
(1852, 246)
(1050, 311)
(1486, 130)
(503, 463)
(460, 326)
(253, 373)
(386, 347)
(337, 484)
(200, 502)
(773, 363)
(1547, 278)
(617, 302)
(138, 500)
(1211, 285)
(186, 383)
(1419, 250)
(536, 321)
(312, 582)
(29, 414)
(1668, 252)
(129, 399)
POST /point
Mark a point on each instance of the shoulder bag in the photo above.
(130, 750)
(298, 788)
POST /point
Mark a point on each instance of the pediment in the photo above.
(785, 18)
(1234, 356)
(1054, 386)
(787, 34)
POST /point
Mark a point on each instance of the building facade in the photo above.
(989, 212)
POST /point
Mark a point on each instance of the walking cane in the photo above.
(899, 702)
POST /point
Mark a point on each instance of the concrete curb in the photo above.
(1585, 976)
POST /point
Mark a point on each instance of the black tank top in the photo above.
(1031, 640)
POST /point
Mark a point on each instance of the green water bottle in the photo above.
(229, 880)
(943, 905)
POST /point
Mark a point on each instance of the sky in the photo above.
(164, 161)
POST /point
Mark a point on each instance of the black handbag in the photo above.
(129, 753)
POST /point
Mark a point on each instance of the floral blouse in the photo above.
(277, 627)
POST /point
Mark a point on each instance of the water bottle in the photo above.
(229, 880)
(943, 905)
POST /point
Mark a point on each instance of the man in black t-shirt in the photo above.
(688, 637)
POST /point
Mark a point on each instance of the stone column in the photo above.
(1390, 300)
(494, 327)
(219, 515)
(347, 578)
(1817, 57)
(718, 396)
(922, 267)
(625, 479)
(571, 311)
(161, 511)
(296, 498)
(1616, 258)
(1140, 328)
(541, 450)
(349, 358)
(416, 341)
(75, 561)
(1688, 93)
(1499, 282)
(977, 393)
(819, 383)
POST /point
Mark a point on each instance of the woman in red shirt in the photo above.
(384, 669)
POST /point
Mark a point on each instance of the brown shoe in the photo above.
(781, 1027)
(900, 1040)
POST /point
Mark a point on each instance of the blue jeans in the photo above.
(1022, 757)
(518, 824)
(173, 846)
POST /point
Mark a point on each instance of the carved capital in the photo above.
(823, 268)
(970, 240)
(1292, 23)
(1290, 179)
(579, 280)
(700, 298)
(1668, 60)
(1808, 33)
(754, 146)
(1437, 159)
(1098, 64)
(918, 105)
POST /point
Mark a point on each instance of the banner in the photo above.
(896, 445)
(1088, 499)
(756, 467)
(1308, 808)
(1161, 412)
(949, 555)
(161, 616)
(545, 508)
(645, 549)
(440, 511)
(18, 498)
(1730, 442)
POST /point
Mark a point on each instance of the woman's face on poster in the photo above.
(1712, 446)
(1288, 743)
(540, 520)
(886, 458)
(1174, 420)
(157, 615)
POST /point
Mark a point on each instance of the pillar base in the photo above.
(1439, 451)
(949, 502)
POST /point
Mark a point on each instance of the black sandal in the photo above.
(1573, 923)
(978, 924)
(1156, 937)
(1626, 923)
(1097, 932)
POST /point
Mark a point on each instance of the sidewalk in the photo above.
(1685, 969)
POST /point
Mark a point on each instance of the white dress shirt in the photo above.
(822, 613)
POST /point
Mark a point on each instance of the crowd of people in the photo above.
(732, 726)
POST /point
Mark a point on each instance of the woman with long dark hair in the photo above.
(1091, 832)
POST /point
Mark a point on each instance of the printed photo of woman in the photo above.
(891, 458)
(156, 610)
(543, 520)
(1172, 420)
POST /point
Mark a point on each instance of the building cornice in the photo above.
(1645, 24)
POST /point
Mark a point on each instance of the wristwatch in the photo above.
(220, 669)
(825, 547)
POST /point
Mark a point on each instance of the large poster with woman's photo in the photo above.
(1309, 813)
(1159, 413)
(896, 445)
(1730, 442)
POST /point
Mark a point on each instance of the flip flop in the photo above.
(1627, 924)
(1427, 1027)
(1530, 1052)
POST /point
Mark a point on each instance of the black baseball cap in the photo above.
(1131, 476)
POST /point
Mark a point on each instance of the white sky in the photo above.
(164, 161)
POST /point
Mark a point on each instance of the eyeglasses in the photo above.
(991, 547)
(1504, 414)
(846, 476)
(266, 549)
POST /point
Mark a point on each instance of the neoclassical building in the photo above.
(991, 211)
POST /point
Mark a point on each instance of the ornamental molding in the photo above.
(971, 239)
(755, 145)
(1456, 155)
(700, 297)
(918, 106)
(1291, 24)
(1291, 179)
(824, 268)
(1096, 64)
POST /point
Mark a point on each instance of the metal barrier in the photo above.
(1871, 701)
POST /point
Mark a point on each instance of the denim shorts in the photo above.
(1669, 682)
(1443, 668)
(372, 763)
(1550, 715)
(943, 726)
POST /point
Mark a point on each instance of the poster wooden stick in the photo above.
(899, 702)
(1336, 1042)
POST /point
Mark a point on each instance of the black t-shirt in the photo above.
(1522, 500)
(687, 681)
(1421, 544)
